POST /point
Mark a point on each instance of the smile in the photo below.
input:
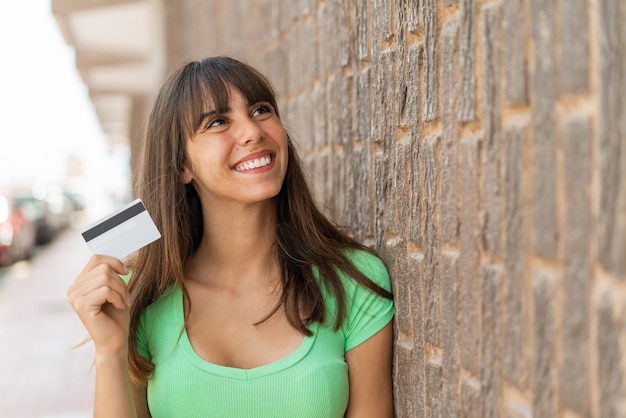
(252, 164)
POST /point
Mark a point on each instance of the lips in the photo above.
(254, 161)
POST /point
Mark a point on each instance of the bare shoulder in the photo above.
(369, 372)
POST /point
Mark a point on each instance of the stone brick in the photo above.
(362, 31)
(449, 260)
(336, 47)
(362, 106)
(356, 194)
(284, 16)
(416, 194)
(543, 127)
(447, 3)
(412, 110)
(402, 187)
(390, 195)
(333, 111)
(574, 71)
(271, 18)
(400, 98)
(611, 378)
(471, 404)
(341, 31)
(514, 35)
(268, 67)
(322, 52)
(515, 364)
(347, 216)
(362, 193)
(382, 105)
(467, 62)
(319, 69)
(403, 382)
(339, 187)
(381, 15)
(491, 300)
(612, 131)
(430, 238)
(387, 60)
(574, 377)
(306, 47)
(434, 388)
(544, 365)
(416, 300)
(413, 7)
(413, 90)
(518, 410)
(431, 85)
(395, 256)
(300, 8)
(295, 77)
(468, 308)
(344, 125)
(379, 202)
(490, 23)
(318, 98)
(335, 116)
(449, 76)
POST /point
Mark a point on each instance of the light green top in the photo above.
(310, 382)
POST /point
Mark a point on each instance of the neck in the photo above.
(237, 247)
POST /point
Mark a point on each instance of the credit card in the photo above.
(122, 232)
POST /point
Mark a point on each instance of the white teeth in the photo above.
(259, 162)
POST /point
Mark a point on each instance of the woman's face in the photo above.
(238, 154)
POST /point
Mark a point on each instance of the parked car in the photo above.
(38, 211)
(17, 232)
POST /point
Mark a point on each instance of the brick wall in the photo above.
(480, 146)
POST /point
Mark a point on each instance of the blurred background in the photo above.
(58, 173)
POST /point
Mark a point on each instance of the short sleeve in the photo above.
(367, 312)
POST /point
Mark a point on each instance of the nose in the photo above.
(249, 131)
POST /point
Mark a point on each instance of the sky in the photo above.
(46, 117)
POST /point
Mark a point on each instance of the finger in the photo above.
(97, 270)
(102, 275)
(112, 282)
(92, 303)
(96, 260)
(115, 298)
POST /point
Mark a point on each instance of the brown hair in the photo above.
(304, 236)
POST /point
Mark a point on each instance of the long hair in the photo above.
(305, 238)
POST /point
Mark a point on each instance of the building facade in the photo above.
(478, 145)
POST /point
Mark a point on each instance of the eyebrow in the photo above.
(205, 115)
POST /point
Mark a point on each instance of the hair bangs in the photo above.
(211, 83)
(253, 86)
(204, 90)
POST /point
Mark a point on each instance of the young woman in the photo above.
(252, 304)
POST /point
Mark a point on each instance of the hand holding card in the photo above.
(123, 232)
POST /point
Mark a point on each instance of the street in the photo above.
(42, 375)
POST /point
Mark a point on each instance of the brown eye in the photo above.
(216, 122)
(263, 109)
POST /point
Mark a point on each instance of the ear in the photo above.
(185, 175)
